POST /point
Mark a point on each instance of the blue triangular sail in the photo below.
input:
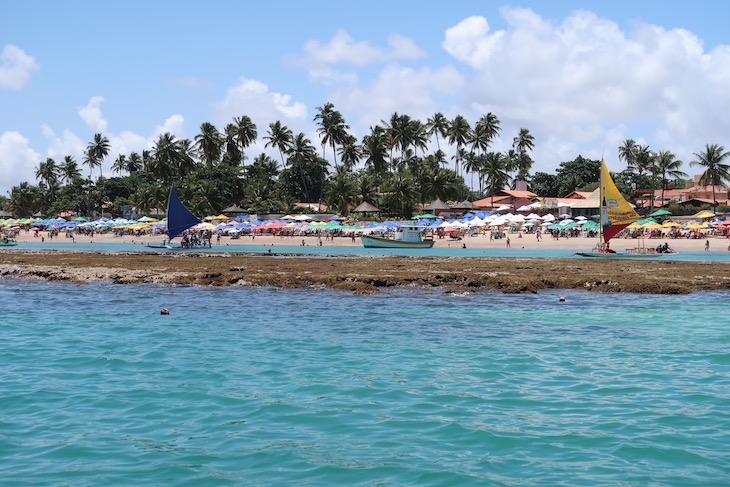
(179, 218)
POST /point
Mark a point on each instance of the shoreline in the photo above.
(366, 274)
(526, 241)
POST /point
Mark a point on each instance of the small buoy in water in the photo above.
(562, 298)
(164, 311)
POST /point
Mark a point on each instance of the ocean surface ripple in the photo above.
(318, 387)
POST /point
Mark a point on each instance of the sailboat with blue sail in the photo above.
(179, 219)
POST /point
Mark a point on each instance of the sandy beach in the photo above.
(371, 274)
(527, 241)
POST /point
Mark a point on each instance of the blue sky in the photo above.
(581, 76)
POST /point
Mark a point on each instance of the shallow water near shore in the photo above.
(455, 250)
(262, 386)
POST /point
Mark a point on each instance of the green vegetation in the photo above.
(390, 168)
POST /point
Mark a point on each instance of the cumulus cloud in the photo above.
(16, 68)
(91, 115)
(343, 49)
(62, 145)
(323, 60)
(578, 83)
(470, 42)
(253, 98)
(416, 92)
(174, 124)
(17, 160)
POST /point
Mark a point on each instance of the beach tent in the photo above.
(661, 212)
(365, 207)
(704, 214)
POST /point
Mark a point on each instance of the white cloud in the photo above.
(174, 124)
(91, 115)
(343, 49)
(253, 98)
(469, 41)
(321, 58)
(578, 83)
(17, 161)
(61, 146)
(415, 92)
(16, 68)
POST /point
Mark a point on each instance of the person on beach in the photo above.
(707, 245)
(508, 242)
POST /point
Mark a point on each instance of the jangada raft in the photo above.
(616, 214)
(405, 237)
(179, 219)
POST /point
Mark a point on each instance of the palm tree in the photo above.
(186, 162)
(399, 133)
(496, 172)
(350, 152)
(134, 163)
(401, 193)
(245, 133)
(375, 151)
(716, 171)
(47, 172)
(644, 163)
(89, 160)
(209, 143)
(522, 143)
(667, 165)
(279, 136)
(167, 158)
(323, 116)
(419, 136)
(332, 128)
(437, 125)
(458, 133)
(22, 199)
(300, 152)
(97, 150)
(69, 169)
(120, 164)
(627, 151)
(343, 191)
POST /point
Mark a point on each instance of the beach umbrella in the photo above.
(704, 214)
(661, 212)
(651, 225)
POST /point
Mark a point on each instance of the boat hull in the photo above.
(370, 242)
(622, 255)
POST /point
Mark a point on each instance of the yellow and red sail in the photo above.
(616, 212)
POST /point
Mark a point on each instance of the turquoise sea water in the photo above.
(242, 386)
(287, 246)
